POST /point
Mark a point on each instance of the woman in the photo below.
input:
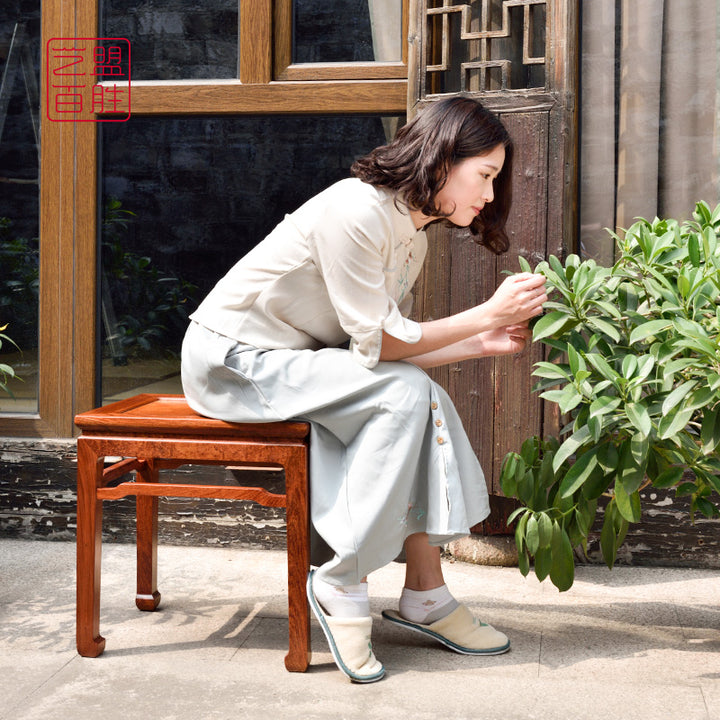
(313, 324)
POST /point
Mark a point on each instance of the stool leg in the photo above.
(147, 597)
(298, 556)
(89, 552)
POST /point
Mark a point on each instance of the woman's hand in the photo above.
(507, 340)
(519, 298)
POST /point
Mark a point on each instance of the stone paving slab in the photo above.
(632, 643)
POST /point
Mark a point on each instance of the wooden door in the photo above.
(519, 58)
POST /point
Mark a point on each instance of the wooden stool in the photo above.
(152, 432)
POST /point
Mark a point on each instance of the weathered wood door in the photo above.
(519, 58)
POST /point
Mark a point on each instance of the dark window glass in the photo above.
(176, 39)
(184, 200)
(347, 31)
(19, 204)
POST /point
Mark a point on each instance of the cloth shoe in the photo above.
(460, 631)
(349, 640)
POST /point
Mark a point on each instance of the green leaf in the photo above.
(694, 250)
(604, 326)
(645, 365)
(543, 563)
(550, 324)
(649, 329)
(532, 535)
(545, 530)
(524, 562)
(579, 472)
(639, 416)
(529, 451)
(673, 423)
(710, 241)
(683, 285)
(668, 478)
(7, 370)
(686, 488)
(551, 371)
(607, 308)
(570, 399)
(524, 264)
(556, 265)
(603, 405)
(520, 531)
(608, 456)
(585, 515)
(574, 360)
(677, 396)
(508, 481)
(631, 463)
(713, 481)
(571, 444)
(547, 476)
(706, 507)
(639, 448)
(710, 432)
(629, 366)
(526, 487)
(628, 505)
(514, 514)
(562, 571)
(603, 367)
(700, 398)
(556, 396)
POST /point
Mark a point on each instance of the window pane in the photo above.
(347, 31)
(176, 39)
(184, 200)
(19, 204)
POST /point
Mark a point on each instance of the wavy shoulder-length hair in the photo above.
(416, 164)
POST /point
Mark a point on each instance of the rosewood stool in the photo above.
(153, 432)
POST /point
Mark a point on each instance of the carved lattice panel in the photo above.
(484, 46)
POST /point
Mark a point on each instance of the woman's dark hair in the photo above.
(418, 161)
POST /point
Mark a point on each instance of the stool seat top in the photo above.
(171, 415)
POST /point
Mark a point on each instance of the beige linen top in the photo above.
(341, 266)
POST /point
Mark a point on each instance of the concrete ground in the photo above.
(631, 643)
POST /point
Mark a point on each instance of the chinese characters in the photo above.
(88, 79)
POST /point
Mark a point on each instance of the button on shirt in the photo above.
(340, 267)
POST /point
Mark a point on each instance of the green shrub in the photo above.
(634, 368)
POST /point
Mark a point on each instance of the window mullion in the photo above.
(255, 55)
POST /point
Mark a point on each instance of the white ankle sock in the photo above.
(427, 606)
(342, 601)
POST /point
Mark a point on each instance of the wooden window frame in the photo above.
(69, 178)
(286, 70)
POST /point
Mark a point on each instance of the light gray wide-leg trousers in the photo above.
(389, 456)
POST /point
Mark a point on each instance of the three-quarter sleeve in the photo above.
(365, 263)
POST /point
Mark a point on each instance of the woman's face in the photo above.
(469, 186)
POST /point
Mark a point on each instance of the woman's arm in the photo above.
(502, 341)
(459, 337)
